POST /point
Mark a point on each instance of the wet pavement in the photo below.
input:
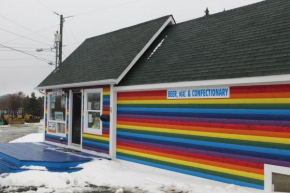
(11, 133)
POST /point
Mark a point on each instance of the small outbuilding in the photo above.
(209, 97)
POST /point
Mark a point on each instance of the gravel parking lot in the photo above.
(11, 133)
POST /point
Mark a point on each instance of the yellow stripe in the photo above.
(106, 93)
(210, 101)
(96, 137)
(196, 165)
(209, 134)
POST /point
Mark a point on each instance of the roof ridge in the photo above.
(130, 26)
(227, 11)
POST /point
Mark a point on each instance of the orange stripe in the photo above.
(262, 95)
(201, 161)
(210, 129)
(106, 89)
(106, 112)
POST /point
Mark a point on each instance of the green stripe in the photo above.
(96, 140)
(106, 96)
(194, 169)
(211, 139)
(212, 106)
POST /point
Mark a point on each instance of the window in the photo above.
(93, 111)
(57, 114)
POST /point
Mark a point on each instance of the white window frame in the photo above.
(268, 173)
(91, 130)
(53, 121)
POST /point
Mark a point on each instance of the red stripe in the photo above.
(215, 125)
(143, 93)
(194, 155)
(260, 89)
(106, 108)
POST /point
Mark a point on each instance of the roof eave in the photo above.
(243, 81)
(79, 84)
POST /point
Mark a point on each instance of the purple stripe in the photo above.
(210, 153)
(96, 150)
(209, 120)
(106, 129)
(106, 106)
(55, 141)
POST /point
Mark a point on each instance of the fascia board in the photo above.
(79, 84)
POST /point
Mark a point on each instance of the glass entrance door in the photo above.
(76, 118)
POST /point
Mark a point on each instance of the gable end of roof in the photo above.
(170, 21)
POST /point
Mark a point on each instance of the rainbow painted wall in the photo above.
(227, 140)
(99, 143)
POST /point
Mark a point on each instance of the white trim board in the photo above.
(268, 170)
(169, 21)
(113, 122)
(259, 80)
(79, 84)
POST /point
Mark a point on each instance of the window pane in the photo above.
(94, 121)
(94, 101)
(57, 108)
(60, 127)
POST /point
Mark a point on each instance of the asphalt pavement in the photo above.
(11, 133)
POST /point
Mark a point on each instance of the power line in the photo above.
(72, 33)
(17, 58)
(46, 7)
(25, 27)
(107, 8)
(42, 59)
(25, 67)
(24, 36)
(68, 48)
(29, 34)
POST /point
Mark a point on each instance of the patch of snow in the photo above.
(156, 48)
(119, 175)
(34, 137)
(41, 168)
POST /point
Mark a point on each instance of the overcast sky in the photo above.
(20, 19)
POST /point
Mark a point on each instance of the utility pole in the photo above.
(60, 43)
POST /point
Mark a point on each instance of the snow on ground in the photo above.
(117, 174)
(34, 168)
(34, 137)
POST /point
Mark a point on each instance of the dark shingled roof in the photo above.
(249, 41)
(106, 56)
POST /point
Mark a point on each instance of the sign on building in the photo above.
(194, 93)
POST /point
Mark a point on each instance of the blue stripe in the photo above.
(207, 176)
(212, 144)
(96, 144)
(106, 124)
(198, 110)
(106, 100)
(209, 148)
(65, 139)
(210, 115)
